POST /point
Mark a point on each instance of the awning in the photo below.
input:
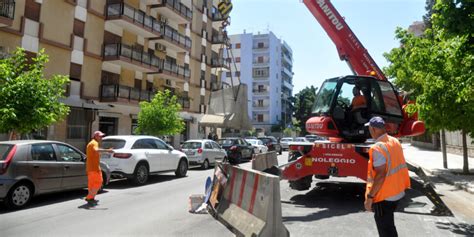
(212, 120)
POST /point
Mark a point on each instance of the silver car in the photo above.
(203, 152)
(32, 167)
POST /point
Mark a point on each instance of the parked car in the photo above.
(203, 152)
(312, 138)
(135, 157)
(237, 149)
(33, 167)
(272, 144)
(258, 146)
(300, 139)
(284, 142)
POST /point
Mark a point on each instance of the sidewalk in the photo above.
(432, 162)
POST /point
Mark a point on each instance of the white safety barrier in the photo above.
(264, 161)
(249, 204)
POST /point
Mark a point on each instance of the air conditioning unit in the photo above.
(160, 48)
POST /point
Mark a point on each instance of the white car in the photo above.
(257, 145)
(284, 142)
(136, 157)
(203, 152)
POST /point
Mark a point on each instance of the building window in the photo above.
(261, 88)
(237, 59)
(260, 59)
(78, 29)
(108, 125)
(77, 124)
(228, 74)
(261, 72)
(109, 78)
(260, 103)
(260, 45)
(75, 72)
(237, 73)
(259, 117)
(237, 46)
(32, 10)
(134, 126)
(138, 84)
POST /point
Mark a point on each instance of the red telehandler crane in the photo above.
(336, 117)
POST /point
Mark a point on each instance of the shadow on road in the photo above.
(459, 228)
(330, 199)
(152, 179)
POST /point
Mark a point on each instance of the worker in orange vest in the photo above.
(358, 101)
(387, 177)
(94, 174)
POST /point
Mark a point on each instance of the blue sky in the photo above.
(315, 56)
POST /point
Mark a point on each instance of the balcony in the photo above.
(263, 62)
(219, 63)
(171, 38)
(260, 47)
(287, 71)
(134, 20)
(174, 10)
(260, 107)
(286, 58)
(287, 84)
(216, 16)
(129, 57)
(126, 94)
(7, 12)
(260, 92)
(173, 71)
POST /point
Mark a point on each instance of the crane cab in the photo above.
(344, 104)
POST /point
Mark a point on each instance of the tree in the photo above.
(437, 69)
(29, 101)
(303, 104)
(160, 116)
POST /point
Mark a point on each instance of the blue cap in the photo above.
(376, 122)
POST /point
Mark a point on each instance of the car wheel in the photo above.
(19, 196)
(182, 168)
(140, 176)
(205, 165)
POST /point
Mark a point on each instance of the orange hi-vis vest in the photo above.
(396, 179)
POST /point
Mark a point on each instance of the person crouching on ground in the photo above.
(94, 173)
(387, 177)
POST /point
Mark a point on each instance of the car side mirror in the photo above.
(170, 148)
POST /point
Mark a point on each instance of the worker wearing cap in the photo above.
(387, 177)
(94, 174)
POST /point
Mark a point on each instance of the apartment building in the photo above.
(118, 53)
(264, 63)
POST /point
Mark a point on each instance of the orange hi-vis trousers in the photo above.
(94, 182)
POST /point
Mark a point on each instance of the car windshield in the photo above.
(286, 140)
(4, 150)
(253, 142)
(113, 143)
(324, 97)
(225, 142)
(265, 140)
(192, 145)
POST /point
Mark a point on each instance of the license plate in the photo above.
(189, 152)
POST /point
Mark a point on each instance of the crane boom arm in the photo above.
(348, 46)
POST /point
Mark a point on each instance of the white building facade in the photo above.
(264, 63)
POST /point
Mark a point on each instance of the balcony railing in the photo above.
(218, 39)
(218, 62)
(178, 7)
(265, 61)
(259, 91)
(7, 9)
(174, 36)
(126, 51)
(138, 17)
(116, 92)
(173, 68)
(215, 15)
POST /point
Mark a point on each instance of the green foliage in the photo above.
(28, 101)
(303, 104)
(160, 116)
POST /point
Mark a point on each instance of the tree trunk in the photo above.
(465, 166)
(443, 148)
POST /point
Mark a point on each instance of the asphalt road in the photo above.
(332, 207)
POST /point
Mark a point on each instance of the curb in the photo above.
(443, 177)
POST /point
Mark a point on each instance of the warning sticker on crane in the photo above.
(224, 8)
